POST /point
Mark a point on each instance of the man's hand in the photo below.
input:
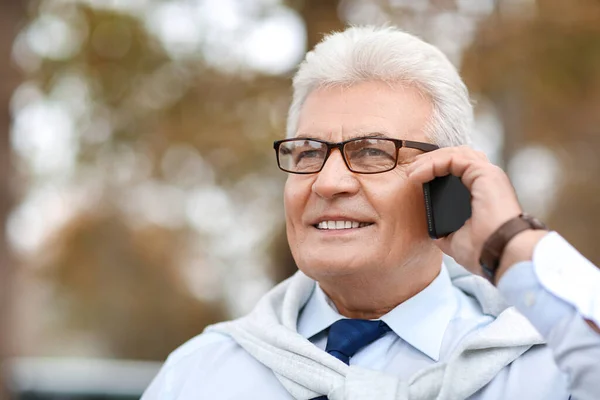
(493, 203)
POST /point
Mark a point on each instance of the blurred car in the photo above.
(78, 379)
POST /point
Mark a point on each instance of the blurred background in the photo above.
(139, 194)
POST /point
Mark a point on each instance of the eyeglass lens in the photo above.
(362, 155)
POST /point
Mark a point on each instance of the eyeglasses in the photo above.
(361, 155)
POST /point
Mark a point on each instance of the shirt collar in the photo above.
(421, 320)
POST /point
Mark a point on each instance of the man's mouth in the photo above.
(341, 225)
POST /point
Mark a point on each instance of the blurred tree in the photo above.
(174, 157)
(127, 287)
(156, 134)
(12, 14)
(540, 67)
(320, 17)
(113, 277)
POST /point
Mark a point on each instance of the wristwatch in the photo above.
(494, 246)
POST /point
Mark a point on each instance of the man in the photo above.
(374, 313)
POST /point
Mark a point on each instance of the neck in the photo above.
(373, 294)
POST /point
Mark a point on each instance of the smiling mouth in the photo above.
(338, 225)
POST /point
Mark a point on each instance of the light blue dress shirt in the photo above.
(425, 330)
(450, 315)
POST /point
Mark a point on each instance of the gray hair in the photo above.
(388, 54)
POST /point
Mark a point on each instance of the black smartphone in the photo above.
(447, 205)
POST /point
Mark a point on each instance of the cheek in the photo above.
(414, 214)
(404, 206)
(295, 197)
(414, 196)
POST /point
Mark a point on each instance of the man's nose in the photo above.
(335, 179)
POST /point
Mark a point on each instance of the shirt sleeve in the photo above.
(557, 283)
(156, 389)
(166, 385)
(556, 291)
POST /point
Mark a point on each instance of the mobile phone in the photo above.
(447, 205)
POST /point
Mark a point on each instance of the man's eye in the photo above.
(308, 154)
(284, 151)
(372, 152)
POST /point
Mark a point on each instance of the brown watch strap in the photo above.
(496, 243)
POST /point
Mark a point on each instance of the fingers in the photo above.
(460, 161)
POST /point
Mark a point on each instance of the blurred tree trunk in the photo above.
(11, 14)
(320, 17)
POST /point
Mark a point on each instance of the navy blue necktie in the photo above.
(347, 336)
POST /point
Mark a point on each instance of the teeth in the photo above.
(341, 224)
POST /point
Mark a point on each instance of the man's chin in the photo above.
(333, 265)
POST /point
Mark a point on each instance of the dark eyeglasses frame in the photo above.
(399, 143)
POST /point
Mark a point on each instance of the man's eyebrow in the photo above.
(358, 136)
(372, 135)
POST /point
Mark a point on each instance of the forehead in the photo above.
(340, 113)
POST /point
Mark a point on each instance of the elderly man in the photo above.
(373, 312)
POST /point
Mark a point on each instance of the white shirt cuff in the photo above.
(568, 275)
